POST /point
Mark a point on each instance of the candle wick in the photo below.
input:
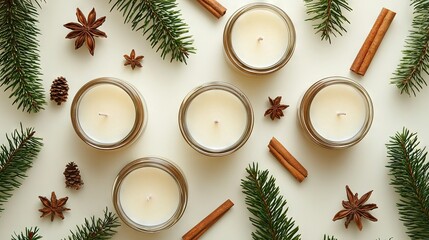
(103, 114)
(341, 113)
(149, 197)
(216, 122)
(260, 39)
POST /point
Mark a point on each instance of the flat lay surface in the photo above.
(163, 84)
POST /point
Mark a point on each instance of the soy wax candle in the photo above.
(216, 119)
(150, 194)
(259, 38)
(336, 112)
(108, 113)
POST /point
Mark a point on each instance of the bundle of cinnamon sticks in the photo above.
(372, 42)
(287, 160)
(214, 7)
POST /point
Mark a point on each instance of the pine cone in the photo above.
(59, 90)
(72, 175)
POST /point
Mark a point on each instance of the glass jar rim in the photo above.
(305, 120)
(139, 106)
(154, 162)
(239, 63)
(215, 86)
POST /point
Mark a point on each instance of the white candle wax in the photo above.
(216, 119)
(338, 112)
(106, 113)
(149, 196)
(260, 37)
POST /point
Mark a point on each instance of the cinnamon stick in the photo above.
(214, 7)
(208, 221)
(295, 173)
(287, 156)
(372, 42)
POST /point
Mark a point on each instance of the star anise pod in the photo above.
(355, 209)
(85, 30)
(132, 60)
(53, 207)
(276, 109)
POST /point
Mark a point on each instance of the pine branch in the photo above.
(414, 65)
(328, 17)
(19, 54)
(162, 23)
(97, 229)
(30, 234)
(409, 173)
(268, 207)
(326, 237)
(16, 159)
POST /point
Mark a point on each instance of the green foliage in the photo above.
(30, 234)
(16, 159)
(409, 173)
(162, 23)
(19, 55)
(268, 207)
(414, 65)
(326, 237)
(96, 229)
(328, 17)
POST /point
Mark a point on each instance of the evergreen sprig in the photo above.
(409, 173)
(414, 65)
(16, 159)
(268, 207)
(328, 17)
(327, 237)
(19, 54)
(30, 234)
(96, 229)
(162, 22)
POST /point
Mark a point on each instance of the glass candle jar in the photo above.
(216, 119)
(108, 113)
(336, 112)
(150, 194)
(259, 38)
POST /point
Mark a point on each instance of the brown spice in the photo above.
(208, 221)
(214, 7)
(53, 207)
(372, 42)
(276, 109)
(132, 60)
(287, 160)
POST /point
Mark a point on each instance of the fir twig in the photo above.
(30, 234)
(328, 17)
(99, 229)
(268, 207)
(327, 237)
(409, 173)
(19, 54)
(163, 24)
(16, 159)
(409, 74)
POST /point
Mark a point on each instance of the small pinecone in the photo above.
(59, 90)
(73, 178)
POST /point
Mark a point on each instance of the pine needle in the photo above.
(16, 159)
(30, 234)
(97, 229)
(162, 23)
(267, 206)
(409, 173)
(19, 54)
(328, 17)
(409, 76)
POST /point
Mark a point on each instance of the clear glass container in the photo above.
(136, 127)
(165, 166)
(319, 134)
(239, 135)
(259, 10)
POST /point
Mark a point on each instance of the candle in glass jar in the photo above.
(338, 112)
(216, 119)
(259, 38)
(106, 113)
(149, 196)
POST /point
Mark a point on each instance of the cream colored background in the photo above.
(311, 203)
